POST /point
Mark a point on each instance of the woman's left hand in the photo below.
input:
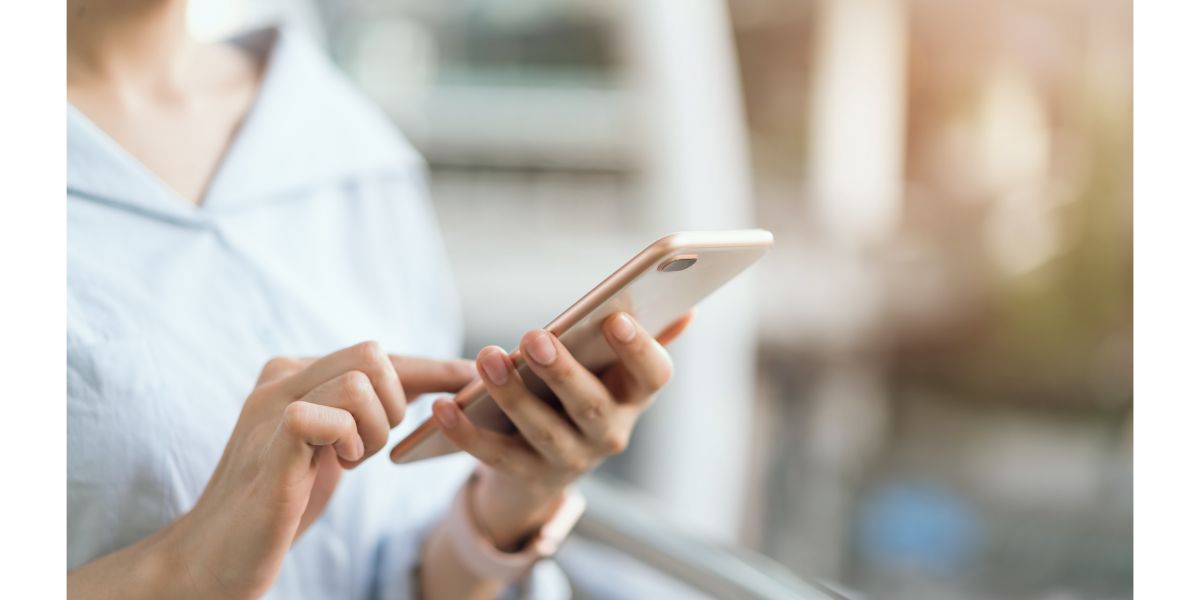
(524, 473)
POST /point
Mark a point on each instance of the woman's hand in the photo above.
(524, 473)
(305, 422)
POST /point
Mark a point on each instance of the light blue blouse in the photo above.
(315, 233)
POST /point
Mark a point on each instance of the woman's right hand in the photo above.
(305, 422)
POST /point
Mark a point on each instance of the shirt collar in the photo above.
(99, 169)
(308, 126)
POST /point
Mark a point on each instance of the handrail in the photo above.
(623, 519)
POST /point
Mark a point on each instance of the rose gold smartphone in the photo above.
(657, 286)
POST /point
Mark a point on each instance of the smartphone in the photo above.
(657, 287)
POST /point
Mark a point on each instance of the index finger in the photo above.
(428, 375)
(368, 358)
(676, 328)
(394, 378)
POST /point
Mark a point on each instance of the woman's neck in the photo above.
(136, 45)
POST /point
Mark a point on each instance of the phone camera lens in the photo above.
(677, 263)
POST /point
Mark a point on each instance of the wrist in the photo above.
(192, 562)
(145, 569)
(167, 564)
(510, 510)
(480, 556)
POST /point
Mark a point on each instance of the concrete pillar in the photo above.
(692, 448)
(856, 176)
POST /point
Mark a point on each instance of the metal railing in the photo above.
(625, 547)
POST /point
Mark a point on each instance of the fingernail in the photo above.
(446, 414)
(541, 349)
(359, 449)
(494, 367)
(623, 328)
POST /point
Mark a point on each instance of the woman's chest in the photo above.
(168, 327)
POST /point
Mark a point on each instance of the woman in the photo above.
(231, 203)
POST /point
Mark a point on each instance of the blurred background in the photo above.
(925, 390)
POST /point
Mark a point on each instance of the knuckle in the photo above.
(278, 366)
(661, 375)
(566, 376)
(593, 410)
(614, 443)
(296, 416)
(577, 464)
(370, 354)
(499, 459)
(397, 414)
(372, 445)
(547, 436)
(659, 379)
(356, 384)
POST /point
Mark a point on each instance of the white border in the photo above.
(32, 300)
(1166, 297)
